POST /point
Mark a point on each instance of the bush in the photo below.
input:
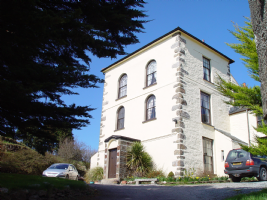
(94, 174)
(155, 174)
(170, 175)
(24, 161)
(28, 161)
(138, 160)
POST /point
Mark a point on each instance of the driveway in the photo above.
(216, 191)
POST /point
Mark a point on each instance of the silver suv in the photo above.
(240, 163)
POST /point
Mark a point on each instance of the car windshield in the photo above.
(59, 166)
(238, 153)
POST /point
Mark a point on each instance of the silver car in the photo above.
(62, 170)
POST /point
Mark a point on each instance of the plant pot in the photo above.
(123, 182)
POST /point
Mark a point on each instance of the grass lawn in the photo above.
(261, 195)
(20, 181)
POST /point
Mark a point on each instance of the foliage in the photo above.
(44, 54)
(138, 160)
(28, 161)
(155, 174)
(71, 149)
(42, 144)
(24, 161)
(246, 48)
(249, 97)
(171, 174)
(94, 174)
(21, 181)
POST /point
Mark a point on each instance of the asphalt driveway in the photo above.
(216, 191)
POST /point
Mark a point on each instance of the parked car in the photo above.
(62, 170)
(240, 163)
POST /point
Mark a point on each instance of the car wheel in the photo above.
(67, 177)
(76, 178)
(263, 174)
(236, 179)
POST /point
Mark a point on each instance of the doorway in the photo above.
(112, 163)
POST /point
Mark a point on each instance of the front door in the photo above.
(112, 163)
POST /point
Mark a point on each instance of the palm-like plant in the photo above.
(139, 161)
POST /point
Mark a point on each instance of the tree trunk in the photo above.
(258, 10)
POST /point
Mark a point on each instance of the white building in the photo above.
(163, 95)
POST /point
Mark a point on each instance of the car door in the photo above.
(75, 173)
(71, 172)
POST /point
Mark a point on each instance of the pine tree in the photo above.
(44, 55)
(240, 95)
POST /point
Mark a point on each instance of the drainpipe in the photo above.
(248, 129)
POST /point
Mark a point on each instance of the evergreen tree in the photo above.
(240, 95)
(43, 55)
(47, 144)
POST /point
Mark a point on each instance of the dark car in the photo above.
(240, 163)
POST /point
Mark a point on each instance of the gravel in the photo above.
(215, 191)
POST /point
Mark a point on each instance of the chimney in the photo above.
(203, 40)
(244, 85)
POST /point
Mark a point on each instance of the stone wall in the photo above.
(179, 55)
(122, 171)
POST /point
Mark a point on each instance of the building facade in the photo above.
(164, 96)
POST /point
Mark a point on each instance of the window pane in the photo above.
(151, 108)
(151, 73)
(123, 86)
(207, 155)
(123, 81)
(120, 122)
(205, 108)
(206, 69)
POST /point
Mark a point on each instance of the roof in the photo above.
(171, 32)
(116, 137)
(235, 139)
(237, 109)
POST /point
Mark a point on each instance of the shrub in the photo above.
(28, 161)
(24, 161)
(94, 174)
(138, 161)
(170, 175)
(155, 174)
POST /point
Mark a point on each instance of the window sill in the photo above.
(149, 86)
(208, 81)
(149, 120)
(121, 98)
(119, 129)
(207, 124)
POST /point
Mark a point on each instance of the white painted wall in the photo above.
(239, 126)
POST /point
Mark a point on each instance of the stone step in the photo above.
(111, 181)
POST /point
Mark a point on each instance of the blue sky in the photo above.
(205, 19)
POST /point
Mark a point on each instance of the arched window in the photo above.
(151, 108)
(151, 73)
(120, 118)
(123, 86)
